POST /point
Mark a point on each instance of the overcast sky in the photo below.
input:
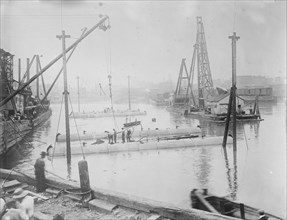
(147, 39)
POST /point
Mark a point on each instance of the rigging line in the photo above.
(107, 56)
(84, 157)
(57, 130)
(110, 50)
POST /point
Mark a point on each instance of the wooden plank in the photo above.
(52, 191)
(154, 217)
(37, 195)
(12, 189)
(205, 203)
(11, 184)
(101, 206)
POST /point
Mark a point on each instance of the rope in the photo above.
(77, 129)
(55, 142)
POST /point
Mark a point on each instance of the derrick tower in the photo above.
(6, 74)
(205, 84)
(183, 94)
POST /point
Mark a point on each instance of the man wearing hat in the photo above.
(40, 173)
(262, 215)
(23, 208)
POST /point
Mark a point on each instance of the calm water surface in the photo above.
(256, 175)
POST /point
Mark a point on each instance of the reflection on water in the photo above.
(255, 174)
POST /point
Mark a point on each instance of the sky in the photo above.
(147, 39)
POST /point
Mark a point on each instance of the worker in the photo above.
(123, 135)
(40, 173)
(2, 203)
(24, 206)
(262, 215)
(129, 135)
(115, 136)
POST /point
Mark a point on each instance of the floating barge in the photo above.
(221, 118)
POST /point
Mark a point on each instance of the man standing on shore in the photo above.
(40, 173)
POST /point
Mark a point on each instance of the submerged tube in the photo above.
(137, 146)
(135, 134)
(107, 114)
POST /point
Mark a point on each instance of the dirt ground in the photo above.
(72, 210)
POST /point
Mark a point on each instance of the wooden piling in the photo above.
(84, 176)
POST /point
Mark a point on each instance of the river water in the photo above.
(255, 175)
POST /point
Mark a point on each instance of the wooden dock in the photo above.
(116, 205)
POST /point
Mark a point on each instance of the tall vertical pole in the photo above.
(28, 69)
(37, 82)
(129, 93)
(19, 71)
(79, 110)
(66, 93)
(234, 38)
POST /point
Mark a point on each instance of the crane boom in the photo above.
(3, 102)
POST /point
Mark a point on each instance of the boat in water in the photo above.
(201, 199)
(108, 112)
(23, 113)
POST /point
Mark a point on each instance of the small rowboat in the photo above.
(201, 199)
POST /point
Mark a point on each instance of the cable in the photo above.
(77, 130)
(57, 130)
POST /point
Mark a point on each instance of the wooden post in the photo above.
(66, 93)
(227, 118)
(84, 176)
(234, 38)
(242, 212)
(19, 71)
(28, 69)
(37, 81)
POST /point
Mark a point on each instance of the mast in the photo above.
(79, 110)
(66, 93)
(37, 81)
(234, 38)
(19, 72)
(232, 99)
(129, 92)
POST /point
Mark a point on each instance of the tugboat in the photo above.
(21, 114)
